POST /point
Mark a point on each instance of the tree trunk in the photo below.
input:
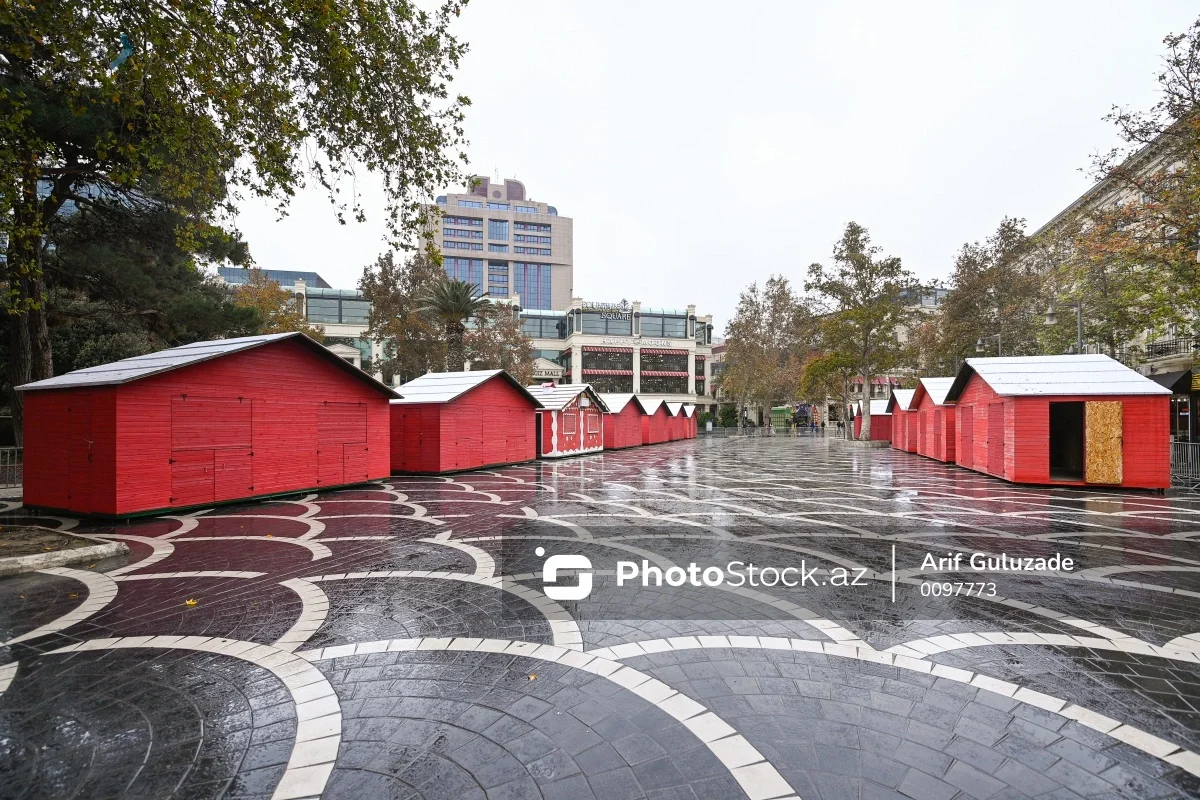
(455, 354)
(865, 431)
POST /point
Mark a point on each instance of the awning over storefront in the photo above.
(656, 374)
(656, 351)
(608, 372)
(1178, 382)
(588, 348)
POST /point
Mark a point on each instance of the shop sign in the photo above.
(618, 311)
(1195, 383)
(631, 341)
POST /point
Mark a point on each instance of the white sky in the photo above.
(699, 146)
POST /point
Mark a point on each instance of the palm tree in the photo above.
(453, 302)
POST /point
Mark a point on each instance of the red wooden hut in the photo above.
(1073, 420)
(206, 423)
(903, 421)
(881, 421)
(571, 420)
(689, 414)
(656, 423)
(623, 422)
(676, 424)
(935, 419)
(450, 421)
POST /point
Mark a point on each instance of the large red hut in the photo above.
(656, 423)
(903, 421)
(881, 421)
(448, 421)
(934, 418)
(623, 422)
(571, 420)
(205, 423)
(1074, 420)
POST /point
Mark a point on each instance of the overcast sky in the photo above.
(701, 146)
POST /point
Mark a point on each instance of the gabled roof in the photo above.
(616, 402)
(132, 369)
(689, 409)
(1042, 376)
(674, 408)
(879, 408)
(933, 388)
(556, 398)
(442, 387)
(901, 399)
(651, 407)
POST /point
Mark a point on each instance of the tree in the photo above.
(765, 344)
(279, 310)
(863, 296)
(410, 340)
(829, 375)
(453, 302)
(497, 341)
(200, 101)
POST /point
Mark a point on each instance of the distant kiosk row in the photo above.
(235, 419)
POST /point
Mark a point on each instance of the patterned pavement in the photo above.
(395, 640)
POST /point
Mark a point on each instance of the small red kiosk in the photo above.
(1072, 420)
(903, 421)
(570, 421)
(676, 423)
(623, 422)
(450, 421)
(202, 424)
(689, 413)
(935, 419)
(881, 421)
(656, 422)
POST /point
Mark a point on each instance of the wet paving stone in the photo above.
(332, 643)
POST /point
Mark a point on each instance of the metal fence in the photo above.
(11, 465)
(1185, 464)
(791, 430)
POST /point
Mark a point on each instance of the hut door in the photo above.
(79, 451)
(1103, 441)
(232, 474)
(193, 479)
(338, 425)
(937, 433)
(966, 422)
(995, 438)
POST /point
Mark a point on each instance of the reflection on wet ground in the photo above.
(394, 640)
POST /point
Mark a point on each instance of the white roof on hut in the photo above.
(616, 402)
(879, 408)
(1041, 376)
(674, 408)
(442, 387)
(557, 398)
(937, 389)
(689, 409)
(131, 369)
(901, 398)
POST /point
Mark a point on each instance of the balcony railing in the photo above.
(12, 462)
(1183, 346)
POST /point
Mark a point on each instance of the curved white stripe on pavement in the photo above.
(162, 549)
(920, 648)
(219, 573)
(7, 673)
(1134, 737)
(750, 768)
(318, 712)
(563, 627)
(485, 565)
(317, 549)
(101, 590)
(314, 608)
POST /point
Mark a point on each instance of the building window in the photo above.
(544, 327)
(497, 248)
(655, 384)
(610, 383)
(597, 323)
(521, 237)
(452, 245)
(470, 222)
(663, 362)
(535, 227)
(526, 209)
(498, 229)
(607, 361)
(666, 327)
(466, 269)
(498, 206)
(457, 233)
(337, 306)
(532, 283)
(532, 251)
(470, 204)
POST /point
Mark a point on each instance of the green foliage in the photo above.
(729, 416)
(452, 303)
(411, 341)
(279, 311)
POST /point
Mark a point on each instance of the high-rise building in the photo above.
(506, 244)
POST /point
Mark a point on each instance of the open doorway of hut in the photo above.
(1066, 441)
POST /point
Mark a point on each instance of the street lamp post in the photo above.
(979, 347)
(1052, 319)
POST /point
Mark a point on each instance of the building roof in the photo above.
(879, 408)
(689, 409)
(286, 278)
(1178, 382)
(616, 402)
(1042, 376)
(674, 408)
(651, 406)
(132, 369)
(936, 388)
(900, 399)
(442, 387)
(556, 398)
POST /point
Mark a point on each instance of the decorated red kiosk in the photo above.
(935, 419)
(571, 420)
(206, 423)
(449, 421)
(904, 423)
(881, 421)
(623, 422)
(1074, 420)
(656, 422)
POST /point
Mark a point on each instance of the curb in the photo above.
(15, 565)
(870, 445)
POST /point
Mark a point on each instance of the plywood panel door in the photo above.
(937, 433)
(233, 474)
(995, 438)
(207, 423)
(355, 467)
(338, 424)
(79, 452)
(1104, 443)
(966, 424)
(193, 478)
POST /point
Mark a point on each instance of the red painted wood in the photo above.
(252, 417)
(574, 429)
(489, 425)
(623, 429)
(655, 427)
(934, 427)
